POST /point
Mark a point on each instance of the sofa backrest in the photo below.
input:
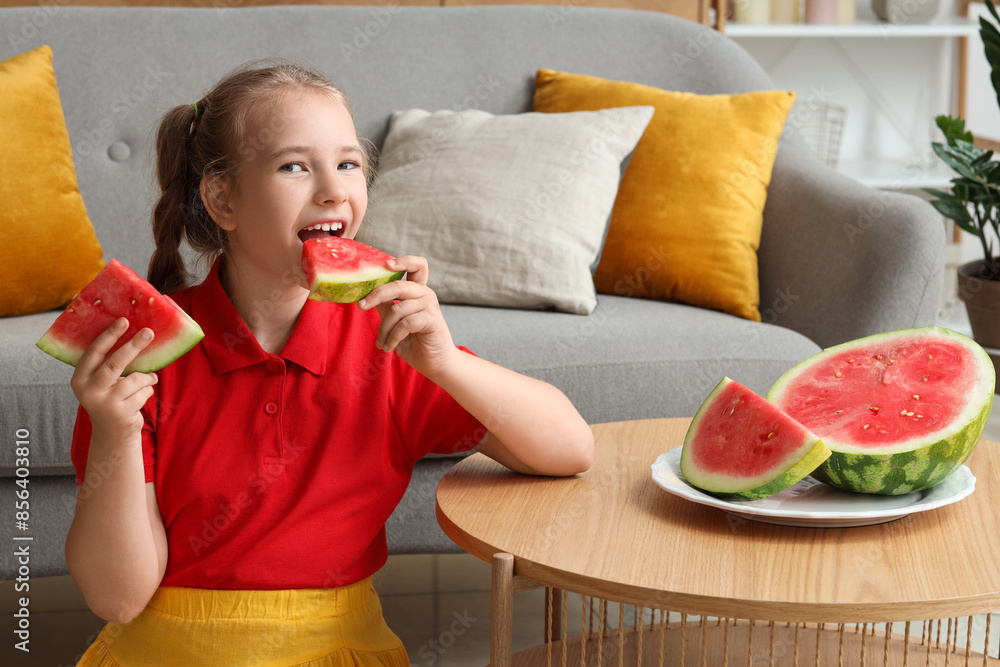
(120, 69)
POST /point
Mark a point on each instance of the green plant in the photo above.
(974, 200)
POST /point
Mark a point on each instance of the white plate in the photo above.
(812, 503)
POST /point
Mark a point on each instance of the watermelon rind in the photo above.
(340, 288)
(797, 466)
(182, 344)
(184, 332)
(911, 465)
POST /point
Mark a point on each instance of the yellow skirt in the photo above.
(315, 627)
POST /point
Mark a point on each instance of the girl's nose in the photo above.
(331, 190)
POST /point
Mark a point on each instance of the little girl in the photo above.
(233, 504)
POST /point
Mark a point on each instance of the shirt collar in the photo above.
(229, 343)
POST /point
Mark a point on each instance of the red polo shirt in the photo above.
(280, 470)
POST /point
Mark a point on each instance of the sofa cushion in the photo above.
(35, 395)
(48, 248)
(510, 210)
(694, 191)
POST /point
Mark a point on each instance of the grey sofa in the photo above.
(837, 260)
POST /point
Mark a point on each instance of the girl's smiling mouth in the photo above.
(322, 229)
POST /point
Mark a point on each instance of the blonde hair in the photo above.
(209, 138)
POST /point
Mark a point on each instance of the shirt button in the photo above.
(271, 366)
(270, 408)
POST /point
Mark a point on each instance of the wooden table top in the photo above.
(614, 533)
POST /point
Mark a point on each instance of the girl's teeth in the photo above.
(326, 227)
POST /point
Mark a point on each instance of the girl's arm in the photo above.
(533, 427)
(116, 548)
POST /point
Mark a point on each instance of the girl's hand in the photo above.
(113, 402)
(412, 323)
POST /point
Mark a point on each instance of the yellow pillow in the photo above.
(48, 248)
(687, 221)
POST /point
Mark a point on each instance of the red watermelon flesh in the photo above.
(344, 270)
(909, 387)
(900, 410)
(117, 291)
(741, 446)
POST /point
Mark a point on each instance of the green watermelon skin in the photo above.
(907, 472)
(343, 270)
(349, 292)
(913, 461)
(117, 291)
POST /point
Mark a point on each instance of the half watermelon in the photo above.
(344, 270)
(117, 291)
(740, 447)
(900, 410)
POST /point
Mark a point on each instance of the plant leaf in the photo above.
(953, 129)
(993, 10)
(984, 156)
(968, 149)
(965, 223)
(955, 160)
(991, 46)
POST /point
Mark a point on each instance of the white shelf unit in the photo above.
(948, 27)
(895, 175)
(893, 79)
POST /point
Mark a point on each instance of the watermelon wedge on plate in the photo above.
(117, 291)
(741, 447)
(344, 270)
(901, 410)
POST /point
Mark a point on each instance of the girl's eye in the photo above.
(350, 164)
(291, 167)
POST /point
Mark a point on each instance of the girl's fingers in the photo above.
(115, 365)
(414, 265)
(133, 382)
(400, 290)
(134, 403)
(393, 314)
(403, 328)
(92, 358)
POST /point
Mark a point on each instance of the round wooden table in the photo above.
(614, 534)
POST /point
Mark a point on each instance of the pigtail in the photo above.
(167, 272)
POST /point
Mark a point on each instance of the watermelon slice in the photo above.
(901, 410)
(344, 270)
(740, 447)
(117, 291)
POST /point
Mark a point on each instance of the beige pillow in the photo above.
(508, 210)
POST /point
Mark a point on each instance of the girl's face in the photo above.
(301, 177)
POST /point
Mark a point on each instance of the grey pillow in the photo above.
(508, 210)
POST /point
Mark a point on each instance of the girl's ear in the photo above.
(215, 193)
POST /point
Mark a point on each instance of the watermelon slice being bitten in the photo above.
(343, 270)
(117, 291)
(741, 447)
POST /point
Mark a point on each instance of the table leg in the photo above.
(553, 622)
(502, 610)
